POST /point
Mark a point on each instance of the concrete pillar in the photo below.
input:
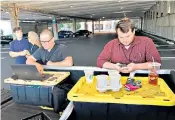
(146, 21)
(36, 27)
(58, 29)
(141, 27)
(99, 25)
(172, 8)
(74, 25)
(14, 11)
(55, 30)
(86, 26)
(169, 7)
(92, 27)
(159, 8)
(155, 18)
(47, 25)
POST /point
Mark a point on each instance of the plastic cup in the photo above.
(115, 81)
(102, 81)
(156, 67)
(113, 72)
(89, 76)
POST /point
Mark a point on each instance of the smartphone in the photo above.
(123, 65)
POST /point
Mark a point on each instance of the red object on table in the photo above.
(131, 87)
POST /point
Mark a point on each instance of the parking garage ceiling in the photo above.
(43, 10)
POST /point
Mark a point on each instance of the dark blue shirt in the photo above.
(19, 46)
(33, 48)
(44, 55)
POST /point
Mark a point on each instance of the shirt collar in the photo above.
(20, 40)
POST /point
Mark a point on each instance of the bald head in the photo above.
(47, 32)
(47, 39)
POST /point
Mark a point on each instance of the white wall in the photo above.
(6, 27)
(161, 25)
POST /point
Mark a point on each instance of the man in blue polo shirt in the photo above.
(19, 48)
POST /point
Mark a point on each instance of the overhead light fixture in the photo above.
(100, 18)
(103, 17)
(71, 6)
(123, 12)
(50, 17)
(93, 14)
(27, 18)
(7, 12)
(121, 8)
(119, 0)
(28, 21)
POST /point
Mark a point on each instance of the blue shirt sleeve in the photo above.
(12, 46)
(37, 54)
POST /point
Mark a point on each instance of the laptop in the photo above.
(28, 72)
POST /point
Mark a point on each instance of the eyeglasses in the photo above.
(46, 41)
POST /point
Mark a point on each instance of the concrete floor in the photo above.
(85, 52)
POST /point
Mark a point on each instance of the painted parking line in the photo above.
(166, 45)
(166, 49)
(5, 48)
(63, 45)
(4, 52)
(3, 58)
(167, 58)
(156, 45)
(170, 43)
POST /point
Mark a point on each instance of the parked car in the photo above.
(65, 34)
(25, 35)
(6, 39)
(85, 33)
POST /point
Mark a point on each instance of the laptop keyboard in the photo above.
(46, 76)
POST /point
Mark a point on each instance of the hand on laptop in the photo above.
(39, 68)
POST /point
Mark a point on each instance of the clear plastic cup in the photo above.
(89, 74)
(102, 81)
(113, 72)
(156, 67)
(115, 82)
